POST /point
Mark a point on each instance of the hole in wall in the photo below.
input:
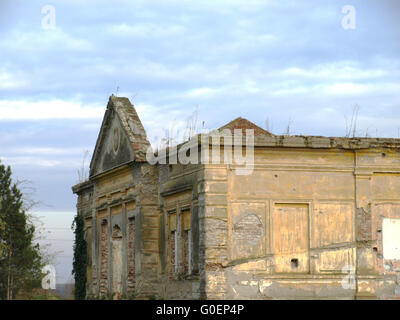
(116, 232)
(294, 263)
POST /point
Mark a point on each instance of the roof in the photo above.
(320, 142)
(243, 124)
(262, 138)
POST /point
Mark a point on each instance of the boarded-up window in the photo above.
(291, 238)
(179, 242)
(391, 238)
(172, 240)
(186, 242)
(333, 223)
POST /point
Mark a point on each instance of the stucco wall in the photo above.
(335, 200)
(291, 229)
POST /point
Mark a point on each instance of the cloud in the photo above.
(43, 151)
(44, 157)
(259, 59)
(44, 40)
(48, 109)
(361, 89)
(32, 162)
(342, 70)
(11, 81)
(255, 59)
(174, 122)
(145, 30)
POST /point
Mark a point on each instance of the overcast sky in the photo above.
(275, 61)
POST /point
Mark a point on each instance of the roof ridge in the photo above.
(243, 123)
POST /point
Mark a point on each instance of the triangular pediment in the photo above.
(122, 137)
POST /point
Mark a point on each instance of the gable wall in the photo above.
(114, 148)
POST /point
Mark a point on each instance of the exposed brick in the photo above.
(131, 255)
(172, 254)
(104, 259)
(364, 227)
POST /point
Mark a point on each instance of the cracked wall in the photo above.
(294, 229)
(316, 212)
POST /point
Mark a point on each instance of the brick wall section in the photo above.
(172, 253)
(364, 224)
(249, 229)
(185, 252)
(131, 255)
(104, 259)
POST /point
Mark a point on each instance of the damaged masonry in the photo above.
(313, 218)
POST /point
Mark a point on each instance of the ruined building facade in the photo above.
(317, 218)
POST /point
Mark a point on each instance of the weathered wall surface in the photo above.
(121, 212)
(179, 236)
(292, 229)
(149, 220)
(297, 221)
(385, 232)
(317, 218)
(115, 148)
(121, 208)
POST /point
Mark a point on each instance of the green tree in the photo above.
(20, 259)
(80, 258)
(2, 228)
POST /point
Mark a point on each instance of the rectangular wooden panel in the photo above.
(186, 219)
(291, 238)
(172, 222)
(333, 223)
(130, 206)
(334, 260)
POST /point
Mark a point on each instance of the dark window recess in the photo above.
(294, 263)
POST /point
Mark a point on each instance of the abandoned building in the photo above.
(317, 218)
